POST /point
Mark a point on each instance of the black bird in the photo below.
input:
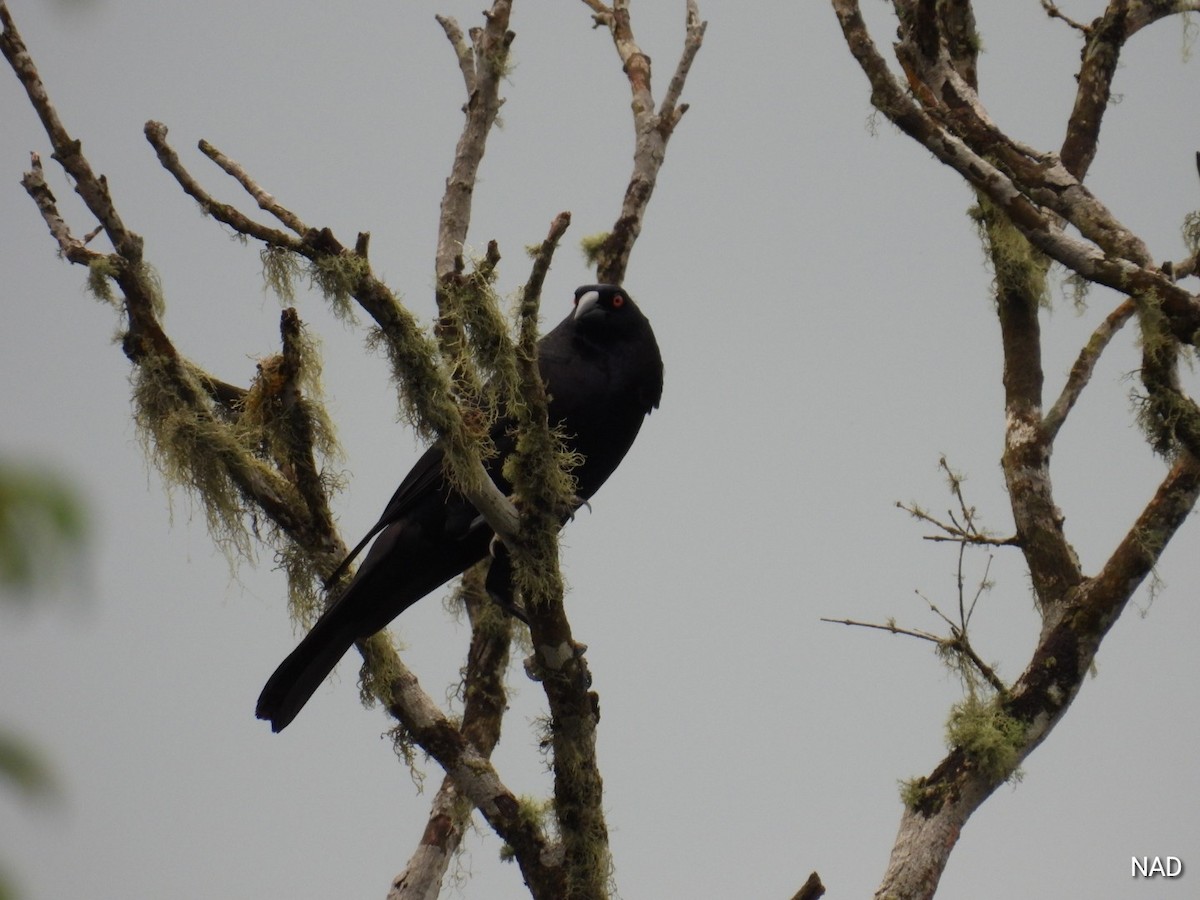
(604, 374)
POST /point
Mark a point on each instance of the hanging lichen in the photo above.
(280, 269)
(1018, 268)
(194, 449)
(336, 276)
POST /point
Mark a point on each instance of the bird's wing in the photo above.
(424, 477)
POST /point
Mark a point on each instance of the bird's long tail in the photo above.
(299, 676)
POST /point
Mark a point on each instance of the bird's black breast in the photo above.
(599, 396)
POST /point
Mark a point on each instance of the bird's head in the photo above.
(606, 317)
(605, 307)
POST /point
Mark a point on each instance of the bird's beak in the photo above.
(586, 304)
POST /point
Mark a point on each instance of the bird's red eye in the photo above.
(618, 301)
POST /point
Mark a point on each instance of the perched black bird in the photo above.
(604, 375)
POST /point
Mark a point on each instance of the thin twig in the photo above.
(156, 134)
(462, 50)
(545, 253)
(264, 200)
(962, 646)
(1054, 12)
(891, 627)
(984, 584)
(955, 480)
(72, 249)
(1085, 364)
(671, 110)
(955, 533)
(933, 608)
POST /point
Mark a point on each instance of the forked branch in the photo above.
(652, 127)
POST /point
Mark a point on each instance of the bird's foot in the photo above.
(578, 503)
(513, 609)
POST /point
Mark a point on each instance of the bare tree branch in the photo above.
(652, 129)
(541, 266)
(890, 627)
(955, 533)
(462, 50)
(1103, 41)
(73, 249)
(1081, 372)
(264, 200)
(468, 315)
(956, 648)
(156, 134)
(68, 153)
(482, 74)
(1054, 12)
(464, 300)
(301, 426)
(1108, 254)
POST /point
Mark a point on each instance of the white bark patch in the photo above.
(556, 657)
(1019, 430)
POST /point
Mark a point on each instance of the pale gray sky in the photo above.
(823, 311)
